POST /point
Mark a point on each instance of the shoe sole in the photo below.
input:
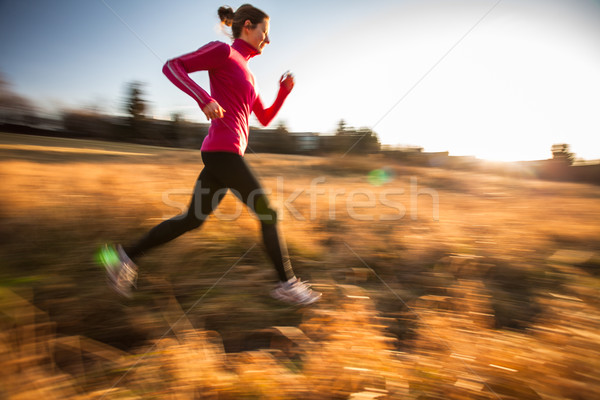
(292, 302)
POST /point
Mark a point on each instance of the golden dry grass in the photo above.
(437, 284)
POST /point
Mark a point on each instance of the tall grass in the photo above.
(497, 298)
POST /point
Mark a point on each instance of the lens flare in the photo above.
(107, 255)
(379, 177)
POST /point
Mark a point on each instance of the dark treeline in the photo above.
(184, 134)
(137, 128)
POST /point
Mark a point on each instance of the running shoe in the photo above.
(295, 291)
(121, 272)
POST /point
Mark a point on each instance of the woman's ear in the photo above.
(248, 24)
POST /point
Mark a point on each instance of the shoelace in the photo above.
(128, 275)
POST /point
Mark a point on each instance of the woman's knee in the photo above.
(264, 212)
(268, 216)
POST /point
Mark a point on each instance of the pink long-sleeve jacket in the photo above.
(231, 85)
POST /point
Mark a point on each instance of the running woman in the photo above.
(233, 97)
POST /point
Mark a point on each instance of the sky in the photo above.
(496, 79)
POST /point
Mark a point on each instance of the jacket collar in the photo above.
(244, 48)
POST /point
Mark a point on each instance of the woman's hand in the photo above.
(213, 111)
(287, 81)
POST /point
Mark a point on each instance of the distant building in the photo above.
(305, 142)
(278, 141)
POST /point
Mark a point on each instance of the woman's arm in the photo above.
(207, 57)
(265, 116)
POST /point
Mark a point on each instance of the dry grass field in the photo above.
(437, 284)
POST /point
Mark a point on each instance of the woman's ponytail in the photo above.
(236, 19)
(226, 15)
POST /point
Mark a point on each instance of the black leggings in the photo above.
(222, 171)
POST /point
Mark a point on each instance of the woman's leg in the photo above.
(208, 192)
(232, 170)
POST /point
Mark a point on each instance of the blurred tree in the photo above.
(174, 128)
(176, 117)
(282, 127)
(561, 152)
(98, 105)
(135, 105)
(369, 142)
(342, 127)
(351, 140)
(14, 108)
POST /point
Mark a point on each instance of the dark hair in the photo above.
(237, 19)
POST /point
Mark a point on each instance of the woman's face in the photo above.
(257, 37)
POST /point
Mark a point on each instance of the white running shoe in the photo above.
(295, 291)
(121, 272)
